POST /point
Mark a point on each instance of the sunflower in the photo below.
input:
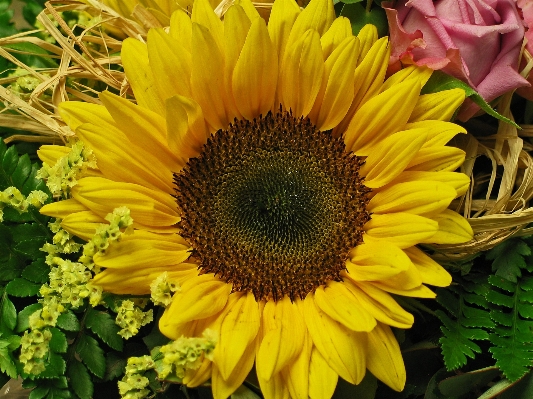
(273, 172)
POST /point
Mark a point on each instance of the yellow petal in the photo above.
(199, 298)
(297, 373)
(137, 282)
(181, 29)
(147, 206)
(336, 93)
(459, 181)
(339, 303)
(401, 229)
(438, 106)
(431, 272)
(418, 292)
(368, 35)
(381, 116)
(186, 128)
(82, 224)
(318, 16)
(407, 279)
(453, 229)
(237, 332)
(135, 60)
(376, 261)
(413, 72)
(384, 357)
(418, 197)
(76, 113)
(248, 7)
(340, 29)
(237, 24)
(143, 249)
(344, 350)
(391, 156)
(381, 305)
(368, 78)
(121, 160)
(438, 133)
(301, 74)
(282, 17)
(50, 154)
(207, 82)
(223, 388)
(256, 73)
(203, 14)
(275, 388)
(437, 159)
(322, 378)
(144, 128)
(62, 209)
(170, 63)
(283, 334)
(194, 378)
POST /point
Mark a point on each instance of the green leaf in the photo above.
(8, 315)
(115, 366)
(68, 321)
(23, 320)
(359, 17)
(80, 380)
(440, 81)
(21, 288)
(37, 271)
(103, 325)
(39, 392)
(92, 355)
(55, 367)
(508, 258)
(58, 343)
(7, 365)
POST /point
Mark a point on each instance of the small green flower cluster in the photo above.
(34, 349)
(61, 177)
(119, 220)
(131, 318)
(13, 198)
(162, 289)
(70, 283)
(133, 384)
(186, 354)
(62, 243)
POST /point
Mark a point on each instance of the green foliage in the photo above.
(497, 308)
(103, 325)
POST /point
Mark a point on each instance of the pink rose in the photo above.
(477, 41)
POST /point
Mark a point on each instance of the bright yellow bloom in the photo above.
(289, 228)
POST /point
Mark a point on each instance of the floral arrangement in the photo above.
(321, 199)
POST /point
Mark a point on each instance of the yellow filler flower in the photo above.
(282, 183)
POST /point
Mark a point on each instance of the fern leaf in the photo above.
(509, 258)
(512, 339)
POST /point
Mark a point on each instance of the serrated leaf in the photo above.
(7, 365)
(22, 171)
(91, 354)
(55, 368)
(23, 319)
(115, 366)
(8, 315)
(68, 321)
(9, 164)
(103, 325)
(37, 272)
(21, 288)
(497, 298)
(58, 343)
(80, 380)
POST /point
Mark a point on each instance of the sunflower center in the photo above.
(273, 206)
